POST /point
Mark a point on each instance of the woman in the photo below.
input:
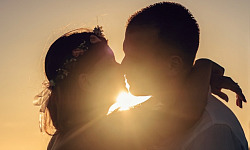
(84, 80)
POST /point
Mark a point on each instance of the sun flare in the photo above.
(126, 100)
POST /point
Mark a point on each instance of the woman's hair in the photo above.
(69, 56)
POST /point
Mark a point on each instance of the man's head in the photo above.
(160, 43)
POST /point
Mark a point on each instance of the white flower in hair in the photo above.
(77, 52)
(94, 39)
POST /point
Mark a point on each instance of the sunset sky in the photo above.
(28, 27)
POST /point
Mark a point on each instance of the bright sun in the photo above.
(125, 100)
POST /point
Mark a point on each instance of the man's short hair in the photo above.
(176, 25)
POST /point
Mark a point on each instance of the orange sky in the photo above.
(28, 27)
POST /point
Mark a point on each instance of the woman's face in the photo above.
(105, 80)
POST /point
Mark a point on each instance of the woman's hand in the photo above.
(218, 82)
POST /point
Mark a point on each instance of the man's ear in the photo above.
(83, 82)
(175, 64)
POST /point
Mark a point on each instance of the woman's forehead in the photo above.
(102, 57)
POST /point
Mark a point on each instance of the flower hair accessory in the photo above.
(42, 98)
(83, 47)
(98, 31)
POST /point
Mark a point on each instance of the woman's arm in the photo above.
(218, 82)
(195, 90)
(206, 73)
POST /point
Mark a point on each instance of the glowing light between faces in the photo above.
(125, 100)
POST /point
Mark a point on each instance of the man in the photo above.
(160, 45)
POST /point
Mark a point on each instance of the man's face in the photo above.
(141, 64)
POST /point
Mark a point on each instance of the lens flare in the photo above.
(125, 100)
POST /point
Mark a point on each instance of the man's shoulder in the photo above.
(219, 113)
(216, 115)
(217, 137)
